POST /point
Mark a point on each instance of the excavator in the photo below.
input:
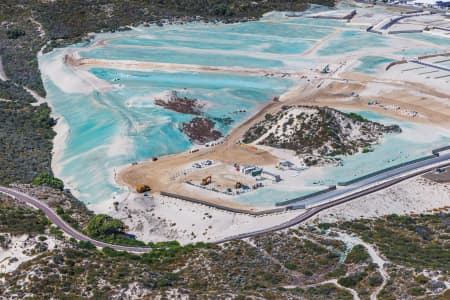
(206, 180)
(142, 188)
(238, 185)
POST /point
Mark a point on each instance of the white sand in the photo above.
(20, 248)
(162, 218)
(415, 195)
(3, 76)
(59, 144)
(71, 80)
(36, 96)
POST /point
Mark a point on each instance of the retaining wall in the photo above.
(436, 151)
(222, 207)
(405, 31)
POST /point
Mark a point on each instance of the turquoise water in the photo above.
(113, 128)
(417, 52)
(370, 64)
(353, 40)
(437, 40)
(128, 118)
(180, 57)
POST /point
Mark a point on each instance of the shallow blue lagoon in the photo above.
(437, 40)
(232, 43)
(276, 29)
(417, 52)
(370, 64)
(114, 127)
(181, 57)
(124, 125)
(352, 40)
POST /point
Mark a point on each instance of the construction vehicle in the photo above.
(326, 69)
(142, 188)
(238, 185)
(207, 180)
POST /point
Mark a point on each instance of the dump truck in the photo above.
(206, 180)
(142, 188)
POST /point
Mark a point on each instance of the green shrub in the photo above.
(48, 180)
(337, 272)
(375, 280)
(101, 225)
(86, 245)
(422, 279)
(357, 255)
(416, 291)
(356, 117)
(352, 280)
(57, 232)
(367, 150)
(14, 33)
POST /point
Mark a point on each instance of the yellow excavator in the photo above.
(207, 180)
(142, 188)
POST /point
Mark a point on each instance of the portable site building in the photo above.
(257, 172)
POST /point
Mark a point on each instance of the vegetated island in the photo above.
(317, 134)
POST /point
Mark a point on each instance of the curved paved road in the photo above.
(57, 220)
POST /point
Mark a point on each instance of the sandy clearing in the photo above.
(3, 76)
(20, 250)
(88, 63)
(162, 218)
(413, 196)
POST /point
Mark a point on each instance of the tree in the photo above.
(14, 33)
(48, 180)
(103, 225)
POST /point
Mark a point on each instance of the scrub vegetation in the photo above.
(288, 265)
(317, 134)
(25, 140)
(420, 243)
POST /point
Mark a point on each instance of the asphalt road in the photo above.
(355, 191)
(56, 219)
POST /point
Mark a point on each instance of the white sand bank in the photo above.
(416, 195)
(162, 218)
